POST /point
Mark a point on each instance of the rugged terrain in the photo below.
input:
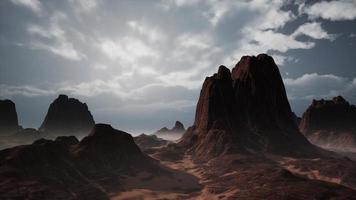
(104, 163)
(244, 144)
(331, 124)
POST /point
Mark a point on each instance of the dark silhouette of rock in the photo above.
(163, 130)
(330, 115)
(67, 116)
(8, 117)
(246, 110)
(110, 147)
(330, 123)
(67, 169)
(178, 127)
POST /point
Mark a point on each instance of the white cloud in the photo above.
(313, 30)
(53, 38)
(63, 48)
(152, 34)
(167, 4)
(199, 41)
(24, 90)
(313, 86)
(281, 59)
(127, 50)
(34, 5)
(269, 14)
(270, 40)
(332, 10)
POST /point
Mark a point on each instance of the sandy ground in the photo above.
(312, 174)
(179, 184)
(187, 182)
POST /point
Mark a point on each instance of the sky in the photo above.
(140, 65)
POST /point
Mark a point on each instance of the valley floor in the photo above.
(236, 177)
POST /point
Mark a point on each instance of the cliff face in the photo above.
(246, 110)
(8, 117)
(260, 93)
(330, 123)
(67, 116)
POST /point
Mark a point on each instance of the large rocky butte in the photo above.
(8, 117)
(245, 110)
(67, 116)
(330, 123)
(65, 168)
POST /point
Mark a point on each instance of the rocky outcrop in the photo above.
(149, 141)
(8, 117)
(330, 123)
(111, 148)
(171, 134)
(67, 116)
(243, 111)
(65, 168)
(177, 128)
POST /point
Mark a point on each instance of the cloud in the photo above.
(151, 33)
(332, 10)
(86, 5)
(145, 57)
(313, 30)
(53, 38)
(199, 41)
(314, 86)
(34, 5)
(281, 59)
(127, 50)
(24, 90)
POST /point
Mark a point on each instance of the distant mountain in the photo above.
(243, 111)
(67, 116)
(330, 123)
(171, 134)
(178, 128)
(8, 117)
(65, 168)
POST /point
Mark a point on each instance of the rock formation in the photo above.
(8, 117)
(67, 116)
(330, 123)
(65, 168)
(178, 128)
(148, 141)
(171, 134)
(243, 111)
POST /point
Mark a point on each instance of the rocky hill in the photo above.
(65, 168)
(245, 111)
(330, 123)
(67, 116)
(171, 134)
